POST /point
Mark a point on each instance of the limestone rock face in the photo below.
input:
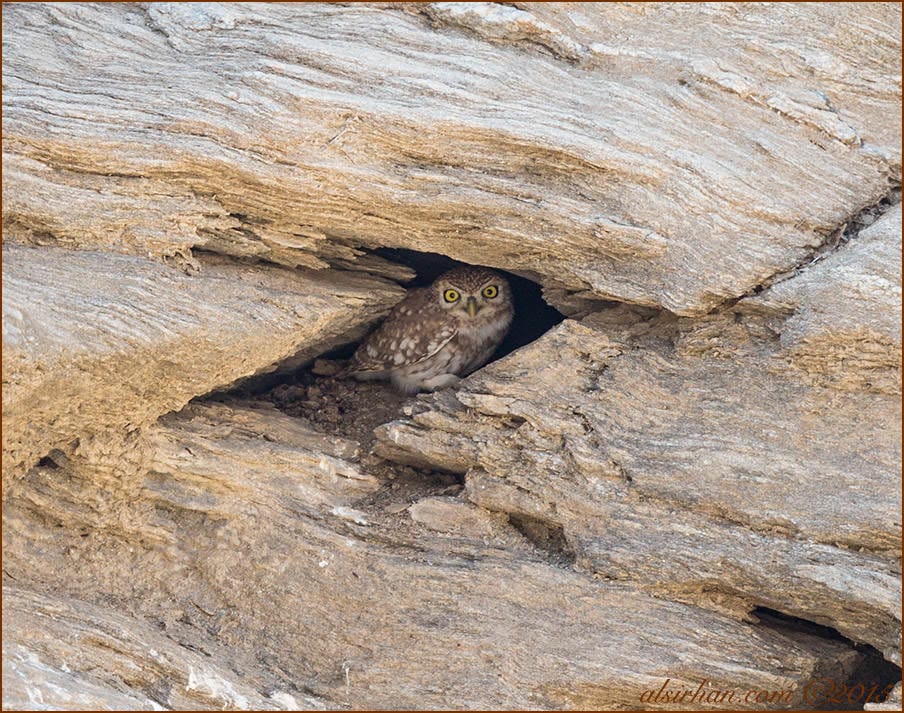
(366, 607)
(689, 487)
(85, 648)
(89, 337)
(663, 462)
(642, 170)
(839, 321)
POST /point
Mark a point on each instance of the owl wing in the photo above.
(410, 334)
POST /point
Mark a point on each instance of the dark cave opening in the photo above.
(548, 537)
(870, 682)
(533, 316)
(321, 396)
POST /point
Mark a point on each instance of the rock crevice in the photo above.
(683, 466)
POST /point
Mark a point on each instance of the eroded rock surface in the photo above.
(195, 194)
(664, 471)
(668, 448)
(65, 654)
(682, 174)
(90, 337)
(361, 600)
(840, 320)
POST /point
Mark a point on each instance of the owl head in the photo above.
(473, 293)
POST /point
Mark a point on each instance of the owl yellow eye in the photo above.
(490, 291)
(451, 295)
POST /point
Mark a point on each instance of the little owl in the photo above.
(440, 333)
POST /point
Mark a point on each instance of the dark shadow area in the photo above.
(870, 682)
(353, 409)
(533, 317)
(547, 537)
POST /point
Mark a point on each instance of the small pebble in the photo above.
(322, 367)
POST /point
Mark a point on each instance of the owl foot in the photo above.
(413, 385)
(442, 381)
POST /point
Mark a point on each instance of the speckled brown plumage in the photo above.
(430, 340)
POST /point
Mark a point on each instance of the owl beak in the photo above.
(472, 307)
